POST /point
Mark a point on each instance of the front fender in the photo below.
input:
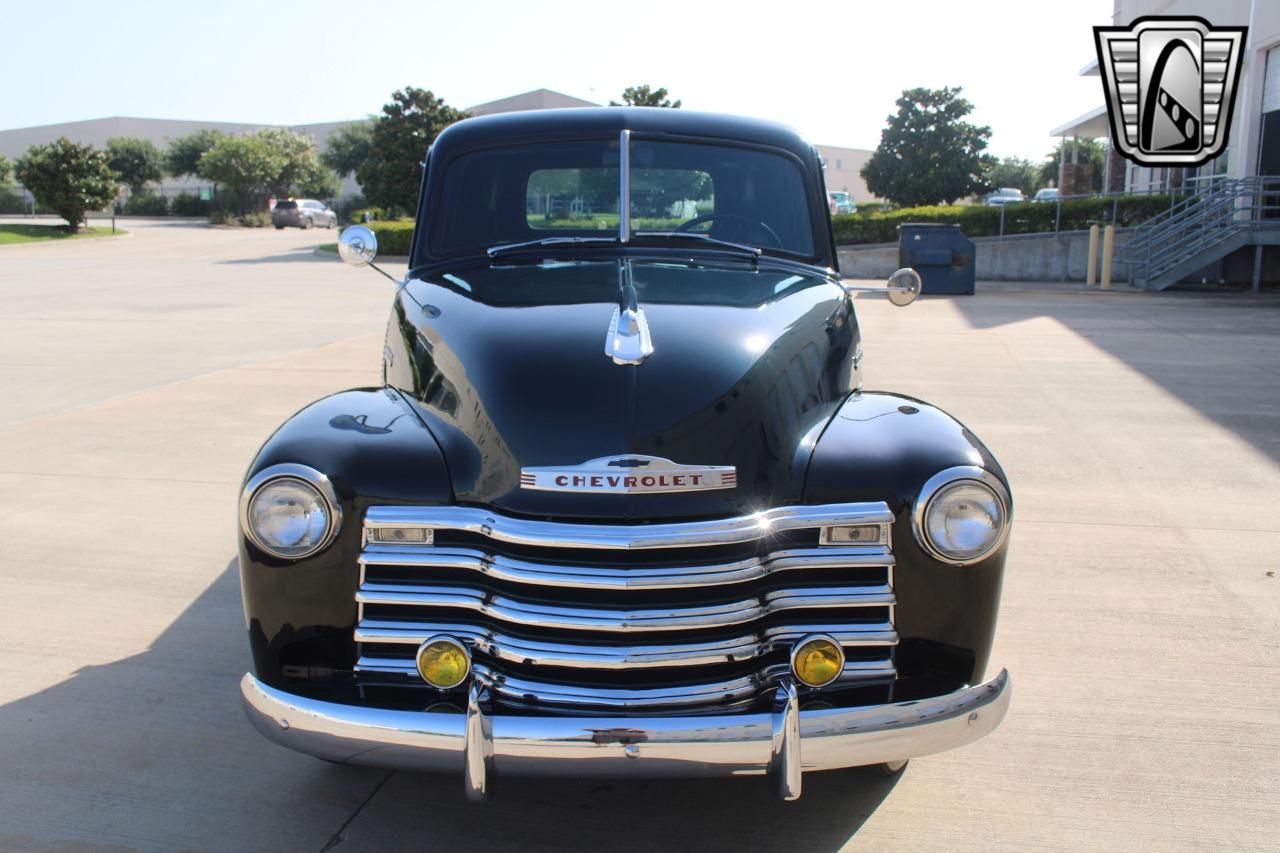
(885, 447)
(375, 450)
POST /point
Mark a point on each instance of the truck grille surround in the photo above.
(666, 618)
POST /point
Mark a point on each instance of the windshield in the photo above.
(510, 195)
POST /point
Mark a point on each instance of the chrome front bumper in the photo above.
(780, 745)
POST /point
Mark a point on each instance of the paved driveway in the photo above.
(139, 374)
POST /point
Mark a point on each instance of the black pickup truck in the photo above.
(621, 505)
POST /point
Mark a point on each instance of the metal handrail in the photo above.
(1209, 216)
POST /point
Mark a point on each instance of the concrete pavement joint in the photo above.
(337, 836)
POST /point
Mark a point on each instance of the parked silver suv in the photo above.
(302, 213)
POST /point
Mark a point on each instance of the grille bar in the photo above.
(598, 656)
(555, 534)
(718, 695)
(502, 567)
(517, 612)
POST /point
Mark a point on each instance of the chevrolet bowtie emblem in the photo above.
(629, 475)
(1170, 85)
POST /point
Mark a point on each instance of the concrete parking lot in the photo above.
(1141, 616)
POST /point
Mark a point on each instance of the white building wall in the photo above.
(1263, 19)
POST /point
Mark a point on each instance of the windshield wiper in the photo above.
(507, 248)
(743, 248)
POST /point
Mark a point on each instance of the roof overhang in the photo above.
(1092, 125)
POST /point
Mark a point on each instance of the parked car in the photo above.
(1006, 195)
(302, 213)
(841, 202)
(1045, 195)
(621, 505)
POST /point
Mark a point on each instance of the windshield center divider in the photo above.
(624, 190)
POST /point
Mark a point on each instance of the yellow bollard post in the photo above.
(1091, 277)
(1108, 241)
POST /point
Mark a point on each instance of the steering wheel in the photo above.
(744, 226)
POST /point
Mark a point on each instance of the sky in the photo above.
(831, 69)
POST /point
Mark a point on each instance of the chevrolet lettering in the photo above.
(621, 506)
(629, 475)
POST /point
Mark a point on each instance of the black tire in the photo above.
(333, 221)
(279, 227)
(307, 223)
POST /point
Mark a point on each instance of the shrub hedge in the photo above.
(394, 238)
(875, 226)
(188, 204)
(146, 205)
(376, 214)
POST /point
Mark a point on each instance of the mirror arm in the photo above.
(388, 275)
(867, 288)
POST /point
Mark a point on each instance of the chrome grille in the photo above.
(671, 616)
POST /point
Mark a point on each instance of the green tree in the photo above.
(67, 178)
(643, 96)
(136, 161)
(182, 157)
(322, 183)
(928, 153)
(271, 160)
(347, 148)
(301, 164)
(408, 125)
(1091, 151)
(10, 200)
(246, 166)
(1015, 172)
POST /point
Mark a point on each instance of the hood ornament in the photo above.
(627, 341)
(629, 474)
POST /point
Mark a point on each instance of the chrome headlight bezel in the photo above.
(949, 477)
(309, 477)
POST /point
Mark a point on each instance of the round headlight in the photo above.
(962, 518)
(290, 511)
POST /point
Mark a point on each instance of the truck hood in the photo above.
(508, 368)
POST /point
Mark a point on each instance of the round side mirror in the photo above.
(904, 287)
(357, 245)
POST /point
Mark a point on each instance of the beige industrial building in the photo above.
(842, 164)
(96, 132)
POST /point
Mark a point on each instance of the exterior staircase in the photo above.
(1204, 227)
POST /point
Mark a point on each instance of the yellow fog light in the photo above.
(443, 662)
(817, 661)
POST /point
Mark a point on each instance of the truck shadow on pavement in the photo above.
(712, 814)
(153, 751)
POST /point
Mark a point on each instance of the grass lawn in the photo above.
(328, 247)
(35, 233)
